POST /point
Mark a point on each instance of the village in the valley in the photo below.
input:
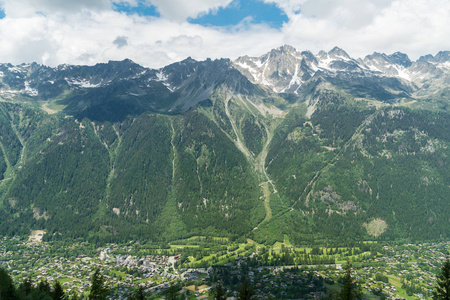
(281, 271)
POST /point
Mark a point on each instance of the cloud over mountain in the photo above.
(86, 32)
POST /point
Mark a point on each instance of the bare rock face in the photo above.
(286, 70)
(282, 70)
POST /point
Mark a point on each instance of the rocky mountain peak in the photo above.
(338, 53)
(442, 57)
(376, 56)
(400, 59)
(307, 55)
(285, 49)
(281, 70)
(427, 57)
(322, 55)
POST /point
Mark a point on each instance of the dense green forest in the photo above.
(168, 177)
(347, 167)
(152, 175)
(196, 149)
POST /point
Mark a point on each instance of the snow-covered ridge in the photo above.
(284, 69)
(82, 82)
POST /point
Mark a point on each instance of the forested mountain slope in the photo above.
(315, 148)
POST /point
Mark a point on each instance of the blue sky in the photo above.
(141, 9)
(155, 33)
(236, 12)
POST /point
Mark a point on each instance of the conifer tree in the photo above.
(98, 289)
(26, 287)
(246, 291)
(172, 293)
(44, 287)
(58, 293)
(139, 295)
(350, 289)
(7, 289)
(442, 288)
(219, 293)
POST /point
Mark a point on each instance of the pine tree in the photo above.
(7, 289)
(442, 288)
(246, 291)
(44, 287)
(219, 293)
(350, 290)
(98, 290)
(172, 293)
(58, 293)
(26, 287)
(139, 295)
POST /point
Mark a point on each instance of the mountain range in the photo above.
(288, 145)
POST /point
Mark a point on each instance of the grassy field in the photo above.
(395, 281)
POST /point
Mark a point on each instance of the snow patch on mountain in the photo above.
(82, 82)
(402, 73)
(160, 76)
(256, 75)
(15, 69)
(444, 66)
(163, 78)
(8, 92)
(294, 81)
(325, 63)
(264, 80)
(30, 91)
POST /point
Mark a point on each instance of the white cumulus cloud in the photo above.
(27, 8)
(415, 27)
(90, 31)
(177, 10)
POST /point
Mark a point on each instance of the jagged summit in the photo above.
(182, 85)
(441, 57)
(337, 53)
(400, 59)
(286, 69)
(285, 49)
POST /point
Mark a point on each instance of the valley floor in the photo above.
(199, 263)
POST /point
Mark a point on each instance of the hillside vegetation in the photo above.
(197, 149)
